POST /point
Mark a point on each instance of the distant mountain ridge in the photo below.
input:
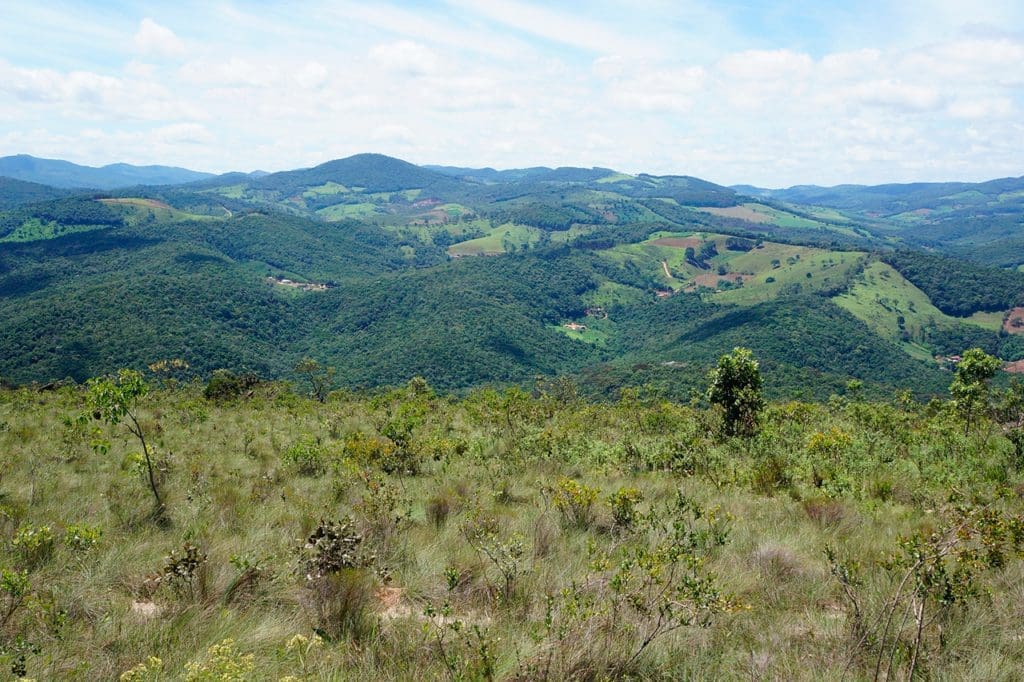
(891, 197)
(64, 174)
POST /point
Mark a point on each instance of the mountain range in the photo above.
(386, 270)
(65, 174)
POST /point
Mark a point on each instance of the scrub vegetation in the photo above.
(159, 528)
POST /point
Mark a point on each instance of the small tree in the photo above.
(113, 400)
(970, 389)
(736, 388)
(1009, 412)
(320, 377)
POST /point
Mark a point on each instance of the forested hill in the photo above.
(15, 192)
(370, 172)
(386, 270)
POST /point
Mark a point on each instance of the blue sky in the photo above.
(769, 93)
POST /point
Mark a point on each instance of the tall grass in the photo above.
(497, 541)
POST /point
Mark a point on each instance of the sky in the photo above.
(766, 93)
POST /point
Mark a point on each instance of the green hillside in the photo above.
(385, 270)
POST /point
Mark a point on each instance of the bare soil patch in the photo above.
(1014, 322)
(1015, 367)
(148, 203)
(678, 242)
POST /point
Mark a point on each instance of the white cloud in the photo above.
(152, 38)
(556, 26)
(311, 75)
(405, 56)
(993, 107)
(183, 133)
(649, 89)
(897, 94)
(843, 66)
(517, 83)
(766, 65)
(233, 72)
(393, 133)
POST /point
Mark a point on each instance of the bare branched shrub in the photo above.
(339, 586)
(637, 593)
(933, 577)
(183, 573)
(504, 554)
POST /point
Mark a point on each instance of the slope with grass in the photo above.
(503, 535)
(897, 310)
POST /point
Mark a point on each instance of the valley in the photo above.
(387, 270)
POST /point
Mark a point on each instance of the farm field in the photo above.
(364, 209)
(502, 238)
(766, 270)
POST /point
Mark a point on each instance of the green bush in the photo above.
(33, 544)
(623, 504)
(307, 457)
(81, 538)
(575, 502)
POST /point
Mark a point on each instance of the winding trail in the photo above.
(664, 265)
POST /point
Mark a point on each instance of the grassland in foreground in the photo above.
(505, 536)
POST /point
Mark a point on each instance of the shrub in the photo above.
(638, 592)
(829, 445)
(504, 554)
(80, 538)
(14, 589)
(384, 510)
(339, 589)
(937, 572)
(374, 451)
(150, 669)
(252, 573)
(224, 385)
(302, 648)
(332, 547)
(575, 501)
(34, 544)
(183, 573)
(306, 457)
(623, 504)
(223, 664)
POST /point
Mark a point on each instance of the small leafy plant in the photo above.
(33, 544)
(575, 502)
